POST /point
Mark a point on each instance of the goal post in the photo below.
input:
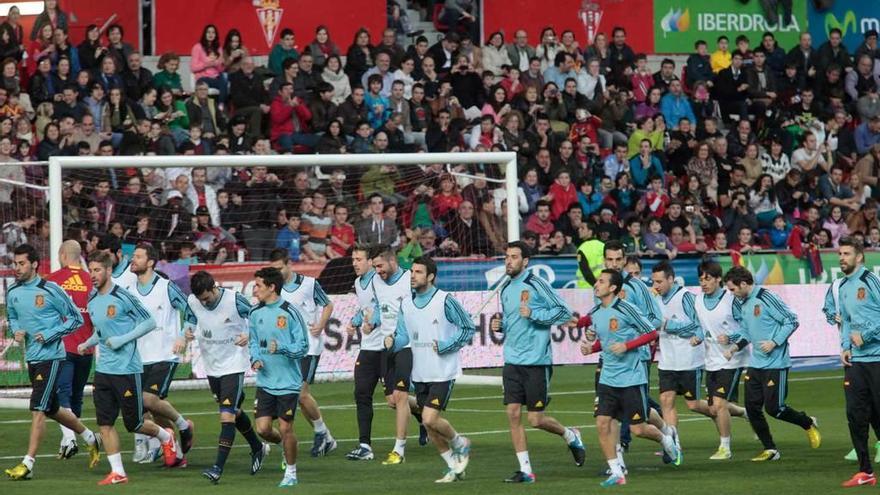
(506, 160)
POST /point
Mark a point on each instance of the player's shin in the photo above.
(224, 444)
(38, 429)
(243, 425)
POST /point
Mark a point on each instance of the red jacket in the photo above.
(78, 285)
(562, 199)
(281, 115)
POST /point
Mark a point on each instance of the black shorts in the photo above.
(228, 391)
(275, 406)
(628, 404)
(687, 383)
(723, 384)
(113, 393)
(398, 371)
(158, 376)
(308, 366)
(529, 385)
(434, 394)
(44, 385)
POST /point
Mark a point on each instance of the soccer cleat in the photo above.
(360, 453)
(607, 472)
(578, 451)
(113, 479)
(860, 479)
(20, 472)
(179, 462)
(152, 455)
(258, 457)
(673, 455)
(613, 480)
(767, 455)
(68, 450)
(187, 437)
(95, 452)
(213, 474)
(521, 477)
(318, 443)
(852, 456)
(462, 456)
(722, 454)
(169, 450)
(423, 436)
(329, 446)
(449, 476)
(814, 436)
(140, 451)
(393, 459)
(288, 481)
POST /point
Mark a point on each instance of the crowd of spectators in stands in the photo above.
(747, 147)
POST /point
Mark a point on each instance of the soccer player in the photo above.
(306, 295)
(623, 381)
(221, 317)
(832, 315)
(767, 323)
(278, 340)
(165, 302)
(40, 314)
(122, 274)
(436, 326)
(682, 354)
(714, 308)
(119, 320)
(859, 309)
(75, 368)
(529, 309)
(369, 363)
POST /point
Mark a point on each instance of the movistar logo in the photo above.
(851, 25)
(676, 21)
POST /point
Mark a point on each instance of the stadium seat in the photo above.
(439, 26)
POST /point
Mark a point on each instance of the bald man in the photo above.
(75, 368)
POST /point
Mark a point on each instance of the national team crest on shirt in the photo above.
(613, 325)
(281, 322)
(111, 311)
(860, 295)
(757, 311)
(40, 301)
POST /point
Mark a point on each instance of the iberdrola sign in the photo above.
(678, 24)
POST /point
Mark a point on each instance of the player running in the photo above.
(74, 373)
(623, 381)
(436, 327)
(222, 333)
(122, 274)
(278, 340)
(165, 302)
(767, 323)
(40, 314)
(530, 307)
(119, 320)
(714, 308)
(306, 295)
(832, 315)
(859, 307)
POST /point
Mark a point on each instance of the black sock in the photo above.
(243, 425)
(227, 436)
(417, 415)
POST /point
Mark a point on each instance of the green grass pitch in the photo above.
(476, 411)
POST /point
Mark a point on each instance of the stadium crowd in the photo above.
(749, 146)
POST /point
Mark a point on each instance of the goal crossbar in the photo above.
(58, 163)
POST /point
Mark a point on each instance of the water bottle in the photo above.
(294, 249)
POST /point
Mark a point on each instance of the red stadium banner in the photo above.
(178, 25)
(585, 18)
(240, 276)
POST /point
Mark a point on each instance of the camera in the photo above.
(689, 208)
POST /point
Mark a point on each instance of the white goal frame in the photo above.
(506, 159)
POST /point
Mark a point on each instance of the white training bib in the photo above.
(303, 299)
(390, 297)
(425, 327)
(363, 288)
(216, 333)
(158, 345)
(677, 353)
(716, 322)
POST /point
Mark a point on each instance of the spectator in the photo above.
(589, 199)
(657, 243)
(664, 77)
(867, 134)
(353, 111)
(675, 104)
(698, 66)
(832, 189)
(336, 77)
(283, 50)
(383, 70)
(731, 89)
(167, 77)
(289, 117)
(468, 233)
(836, 225)
(375, 229)
(289, 237)
(249, 97)
(118, 49)
(561, 195)
(833, 52)
(519, 52)
(865, 219)
(539, 222)
(745, 241)
(342, 235)
(721, 58)
(762, 200)
(496, 55)
(322, 48)
(779, 233)
(360, 57)
(644, 165)
(307, 79)
(316, 229)
(645, 131)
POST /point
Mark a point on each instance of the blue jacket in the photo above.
(527, 340)
(859, 307)
(763, 316)
(281, 322)
(620, 322)
(674, 108)
(41, 306)
(119, 319)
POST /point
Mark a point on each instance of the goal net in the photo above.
(225, 214)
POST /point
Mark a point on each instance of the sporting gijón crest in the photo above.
(269, 14)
